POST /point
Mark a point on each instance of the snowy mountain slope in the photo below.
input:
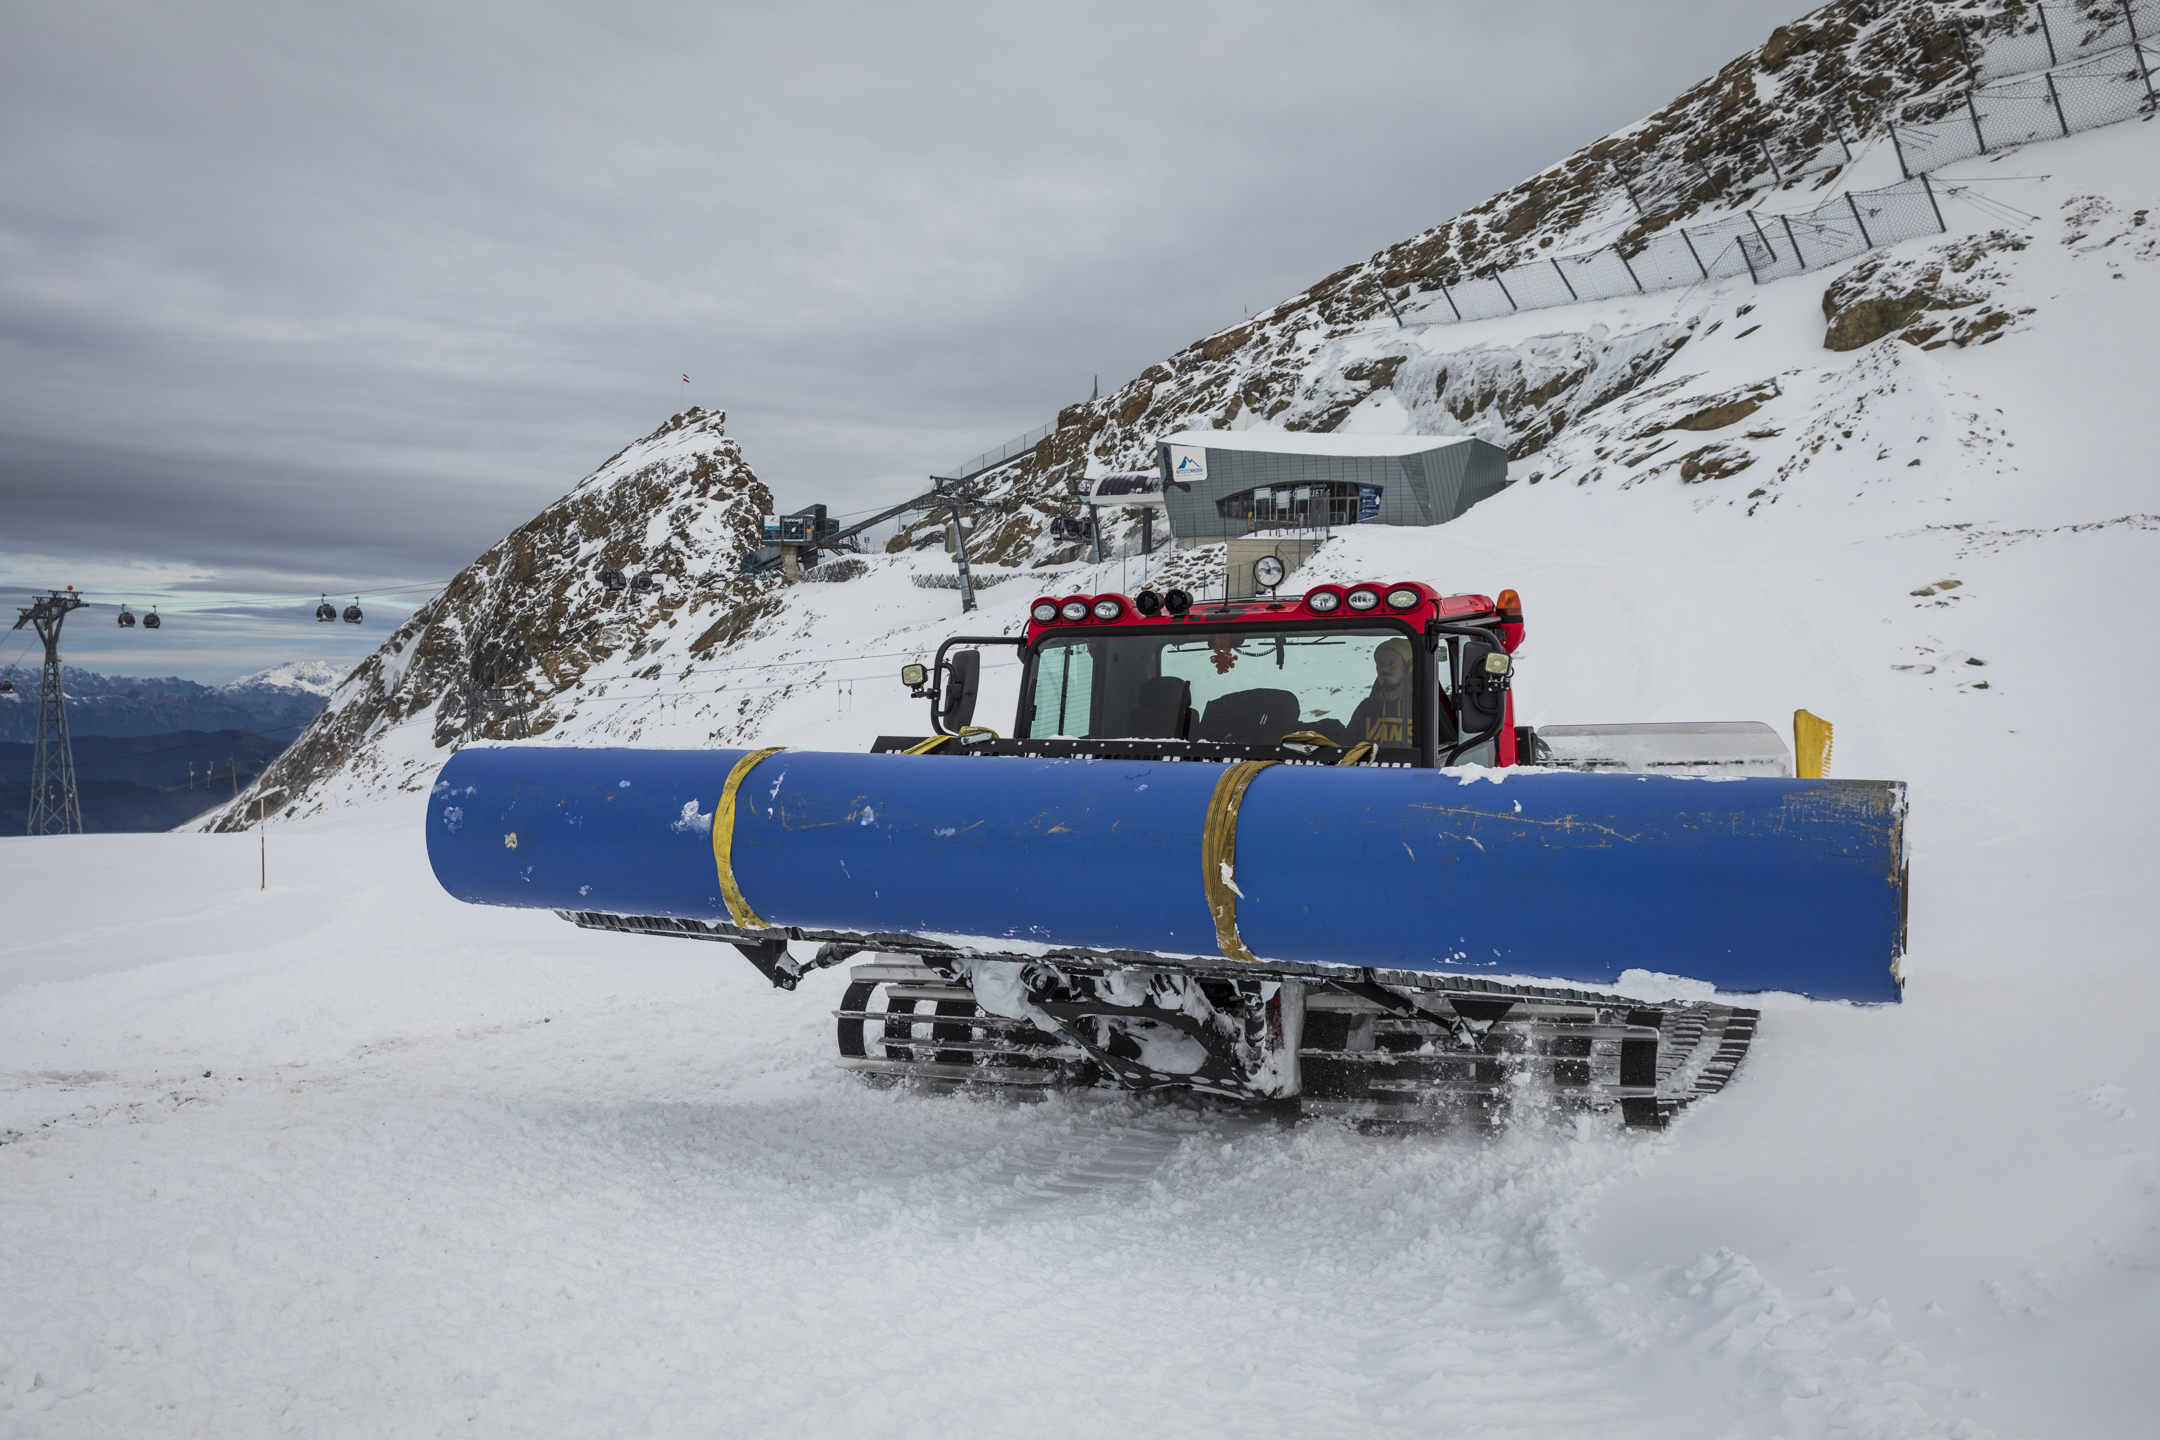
(316, 677)
(532, 616)
(1368, 347)
(1652, 390)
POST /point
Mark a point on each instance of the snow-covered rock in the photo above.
(532, 618)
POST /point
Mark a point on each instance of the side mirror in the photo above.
(914, 677)
(1487, 673)
(962, 672)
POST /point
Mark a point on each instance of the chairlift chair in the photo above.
(127, 617)
(352, 612)
(7, 685)
(151, 621)
(326, 611)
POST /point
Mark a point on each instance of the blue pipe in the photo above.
(1752, 884)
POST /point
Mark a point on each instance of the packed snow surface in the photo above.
(342, 1156)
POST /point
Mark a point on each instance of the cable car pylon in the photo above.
(55, 805)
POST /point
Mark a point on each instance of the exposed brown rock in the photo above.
(1714, 462)
(1882, 296)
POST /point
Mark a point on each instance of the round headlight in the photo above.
(1402, 597)
(1074, 609)
(1147, 602)
(1268, 571)
(1176, 601)
(1109, 608)
(1324, 602)
(1362, 599)
(1044, 612)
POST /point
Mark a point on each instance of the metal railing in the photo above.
(998, 456)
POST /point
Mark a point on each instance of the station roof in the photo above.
(1294, 442)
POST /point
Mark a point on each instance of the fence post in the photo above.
(1450, 299)
(1563, 278)
(1972, 71)
(1978, 134)
(1768, 249)
(2137, 49)
(2052, 95)
(1630, 268)
(1503, 289)
(2049, 36)
(1693, 253)
(1945, 229)
(1775, 173)
(1854, 206)
(1629, 186)
(1838, 130)
(1903, 168)
(1752, 274)
(1792, 240)
(1389, 302)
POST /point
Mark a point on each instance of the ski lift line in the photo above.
(571, 701)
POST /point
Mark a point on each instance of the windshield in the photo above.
(1248, 688)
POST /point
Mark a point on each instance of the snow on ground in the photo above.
(344, 1157)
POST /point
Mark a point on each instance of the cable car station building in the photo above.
(1227, 484)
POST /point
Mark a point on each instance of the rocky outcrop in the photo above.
(532, 617)
(1921, 300)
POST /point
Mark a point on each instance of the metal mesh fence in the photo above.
(1760, 246)
(2050, 35)
(2058, 37)
(2116, 85)
(2112, 82)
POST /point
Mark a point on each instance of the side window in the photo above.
(1064, 689)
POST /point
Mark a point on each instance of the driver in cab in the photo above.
(1383, 717)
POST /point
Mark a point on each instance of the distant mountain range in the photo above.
(143, 782)
(279, 701)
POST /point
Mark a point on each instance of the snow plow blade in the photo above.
(1755, 884)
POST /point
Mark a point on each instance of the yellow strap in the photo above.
(723, 840)
(1312, 738)
(924, 747)
(1811, 745)
(1218, 854)
(1359, 753)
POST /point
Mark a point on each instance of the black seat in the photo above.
(1250, 717)
(1161, 713)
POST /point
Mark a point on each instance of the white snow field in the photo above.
(344, 1157)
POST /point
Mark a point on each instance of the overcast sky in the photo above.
(297, 297)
